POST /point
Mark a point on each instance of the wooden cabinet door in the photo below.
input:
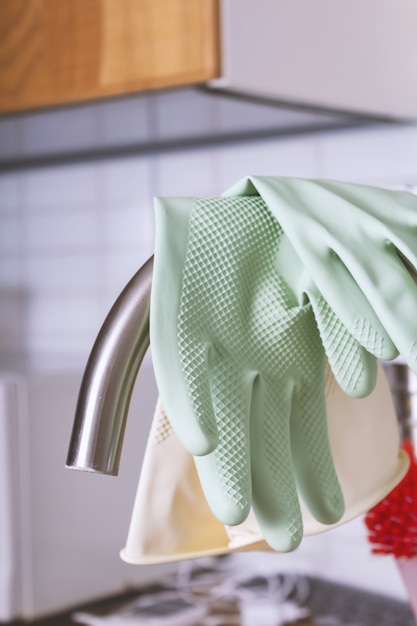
(61, 51)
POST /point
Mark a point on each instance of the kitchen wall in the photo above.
(72, 235)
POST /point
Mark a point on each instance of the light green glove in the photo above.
(356, 242)
(240, 365)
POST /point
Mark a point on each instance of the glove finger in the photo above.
(392, 293)
(311, 453)
(195, 357)
(354, 368)
(225, 473)
(187, 397)
(405, 245)
(197, 433)
(274, 497)
(346, 297)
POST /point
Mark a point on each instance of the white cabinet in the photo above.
(349, 55)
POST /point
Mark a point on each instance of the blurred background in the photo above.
(104, 105)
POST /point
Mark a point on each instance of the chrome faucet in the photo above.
(403, 385)
(109, 377)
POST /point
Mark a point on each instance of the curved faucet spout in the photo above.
(109, 378)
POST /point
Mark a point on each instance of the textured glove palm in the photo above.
(240, 365)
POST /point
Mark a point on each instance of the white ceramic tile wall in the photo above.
(45, 132)
(10, 185)
(71, 236)
(9, 133)
(376, 156)
(132, 115)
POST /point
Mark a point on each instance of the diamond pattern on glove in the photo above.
(161, 428)
(368, 337)
(237, 313)
(342, 349)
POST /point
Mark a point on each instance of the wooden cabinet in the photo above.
(62, 51)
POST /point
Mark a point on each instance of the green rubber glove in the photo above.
(358, 243)
(240, 365)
